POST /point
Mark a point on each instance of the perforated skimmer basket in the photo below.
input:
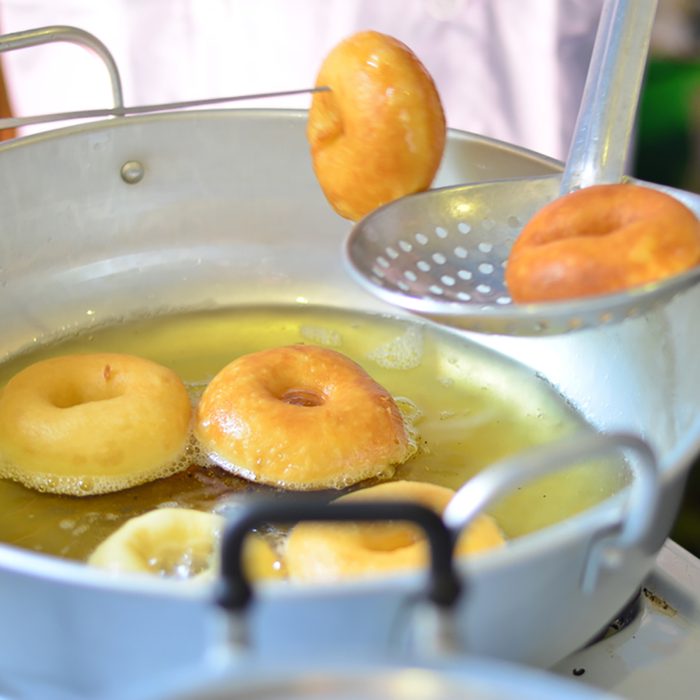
(442, 253)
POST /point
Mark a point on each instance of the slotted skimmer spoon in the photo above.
(442, 253)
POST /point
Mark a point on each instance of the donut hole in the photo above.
(101, 383)
(70, 395)
(306, 398)
(387, 537)
(177, 562)
(329, 127)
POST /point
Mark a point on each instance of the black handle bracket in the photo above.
(234, 592)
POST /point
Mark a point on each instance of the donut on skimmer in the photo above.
(601, 240)
(89, 424)
(379, 133)
(327, 552)
(301, 417)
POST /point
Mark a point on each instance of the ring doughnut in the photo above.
(179, 543)
(601, 240)
(379, 133)
(167, 542)
(328, 552)
(90, 424)
(301, 417)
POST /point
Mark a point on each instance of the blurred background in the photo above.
(509, 69)
(668, 151)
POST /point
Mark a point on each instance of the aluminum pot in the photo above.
(432, 665)
(208, 209)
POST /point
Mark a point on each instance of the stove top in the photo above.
(656, 655)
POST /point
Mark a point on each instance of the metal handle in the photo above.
(636, 530)
(605, 122)
(73, 35)
(234, 592)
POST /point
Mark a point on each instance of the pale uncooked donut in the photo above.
(180, 543)
(89, 424)
(168, 542)
(327, 552)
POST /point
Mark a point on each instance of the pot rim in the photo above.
(448, 673)
(284, 114)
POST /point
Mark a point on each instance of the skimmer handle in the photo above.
(606, 118)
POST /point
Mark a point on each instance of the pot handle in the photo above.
(234, 591)
(634, 533)
(73, 35)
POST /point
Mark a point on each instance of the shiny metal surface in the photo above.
(442, 254)
(635, 536)
(599, 151)
(455, 679)
(657, 655)
(121, 111)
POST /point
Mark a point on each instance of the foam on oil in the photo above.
(469, 408)
(47, 482)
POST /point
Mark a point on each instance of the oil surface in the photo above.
(475, 407)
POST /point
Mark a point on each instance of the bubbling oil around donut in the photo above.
(179, 564)
(96, 485)
(468, 408)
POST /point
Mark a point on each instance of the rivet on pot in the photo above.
(132, 172)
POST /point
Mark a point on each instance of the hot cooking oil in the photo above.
(470, 406)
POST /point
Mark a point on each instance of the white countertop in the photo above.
(658, 654)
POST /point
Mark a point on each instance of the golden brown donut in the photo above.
(379, 133)
(301, 417)
(328, 552)
(601, 240)
(95, 423)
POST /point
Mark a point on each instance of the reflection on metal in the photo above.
(132, 172)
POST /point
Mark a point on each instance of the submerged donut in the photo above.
(167, 542)
(301, 417)
(178, 543)
(328, 552)
(601, 240)
(379, 133)
(89, 424)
